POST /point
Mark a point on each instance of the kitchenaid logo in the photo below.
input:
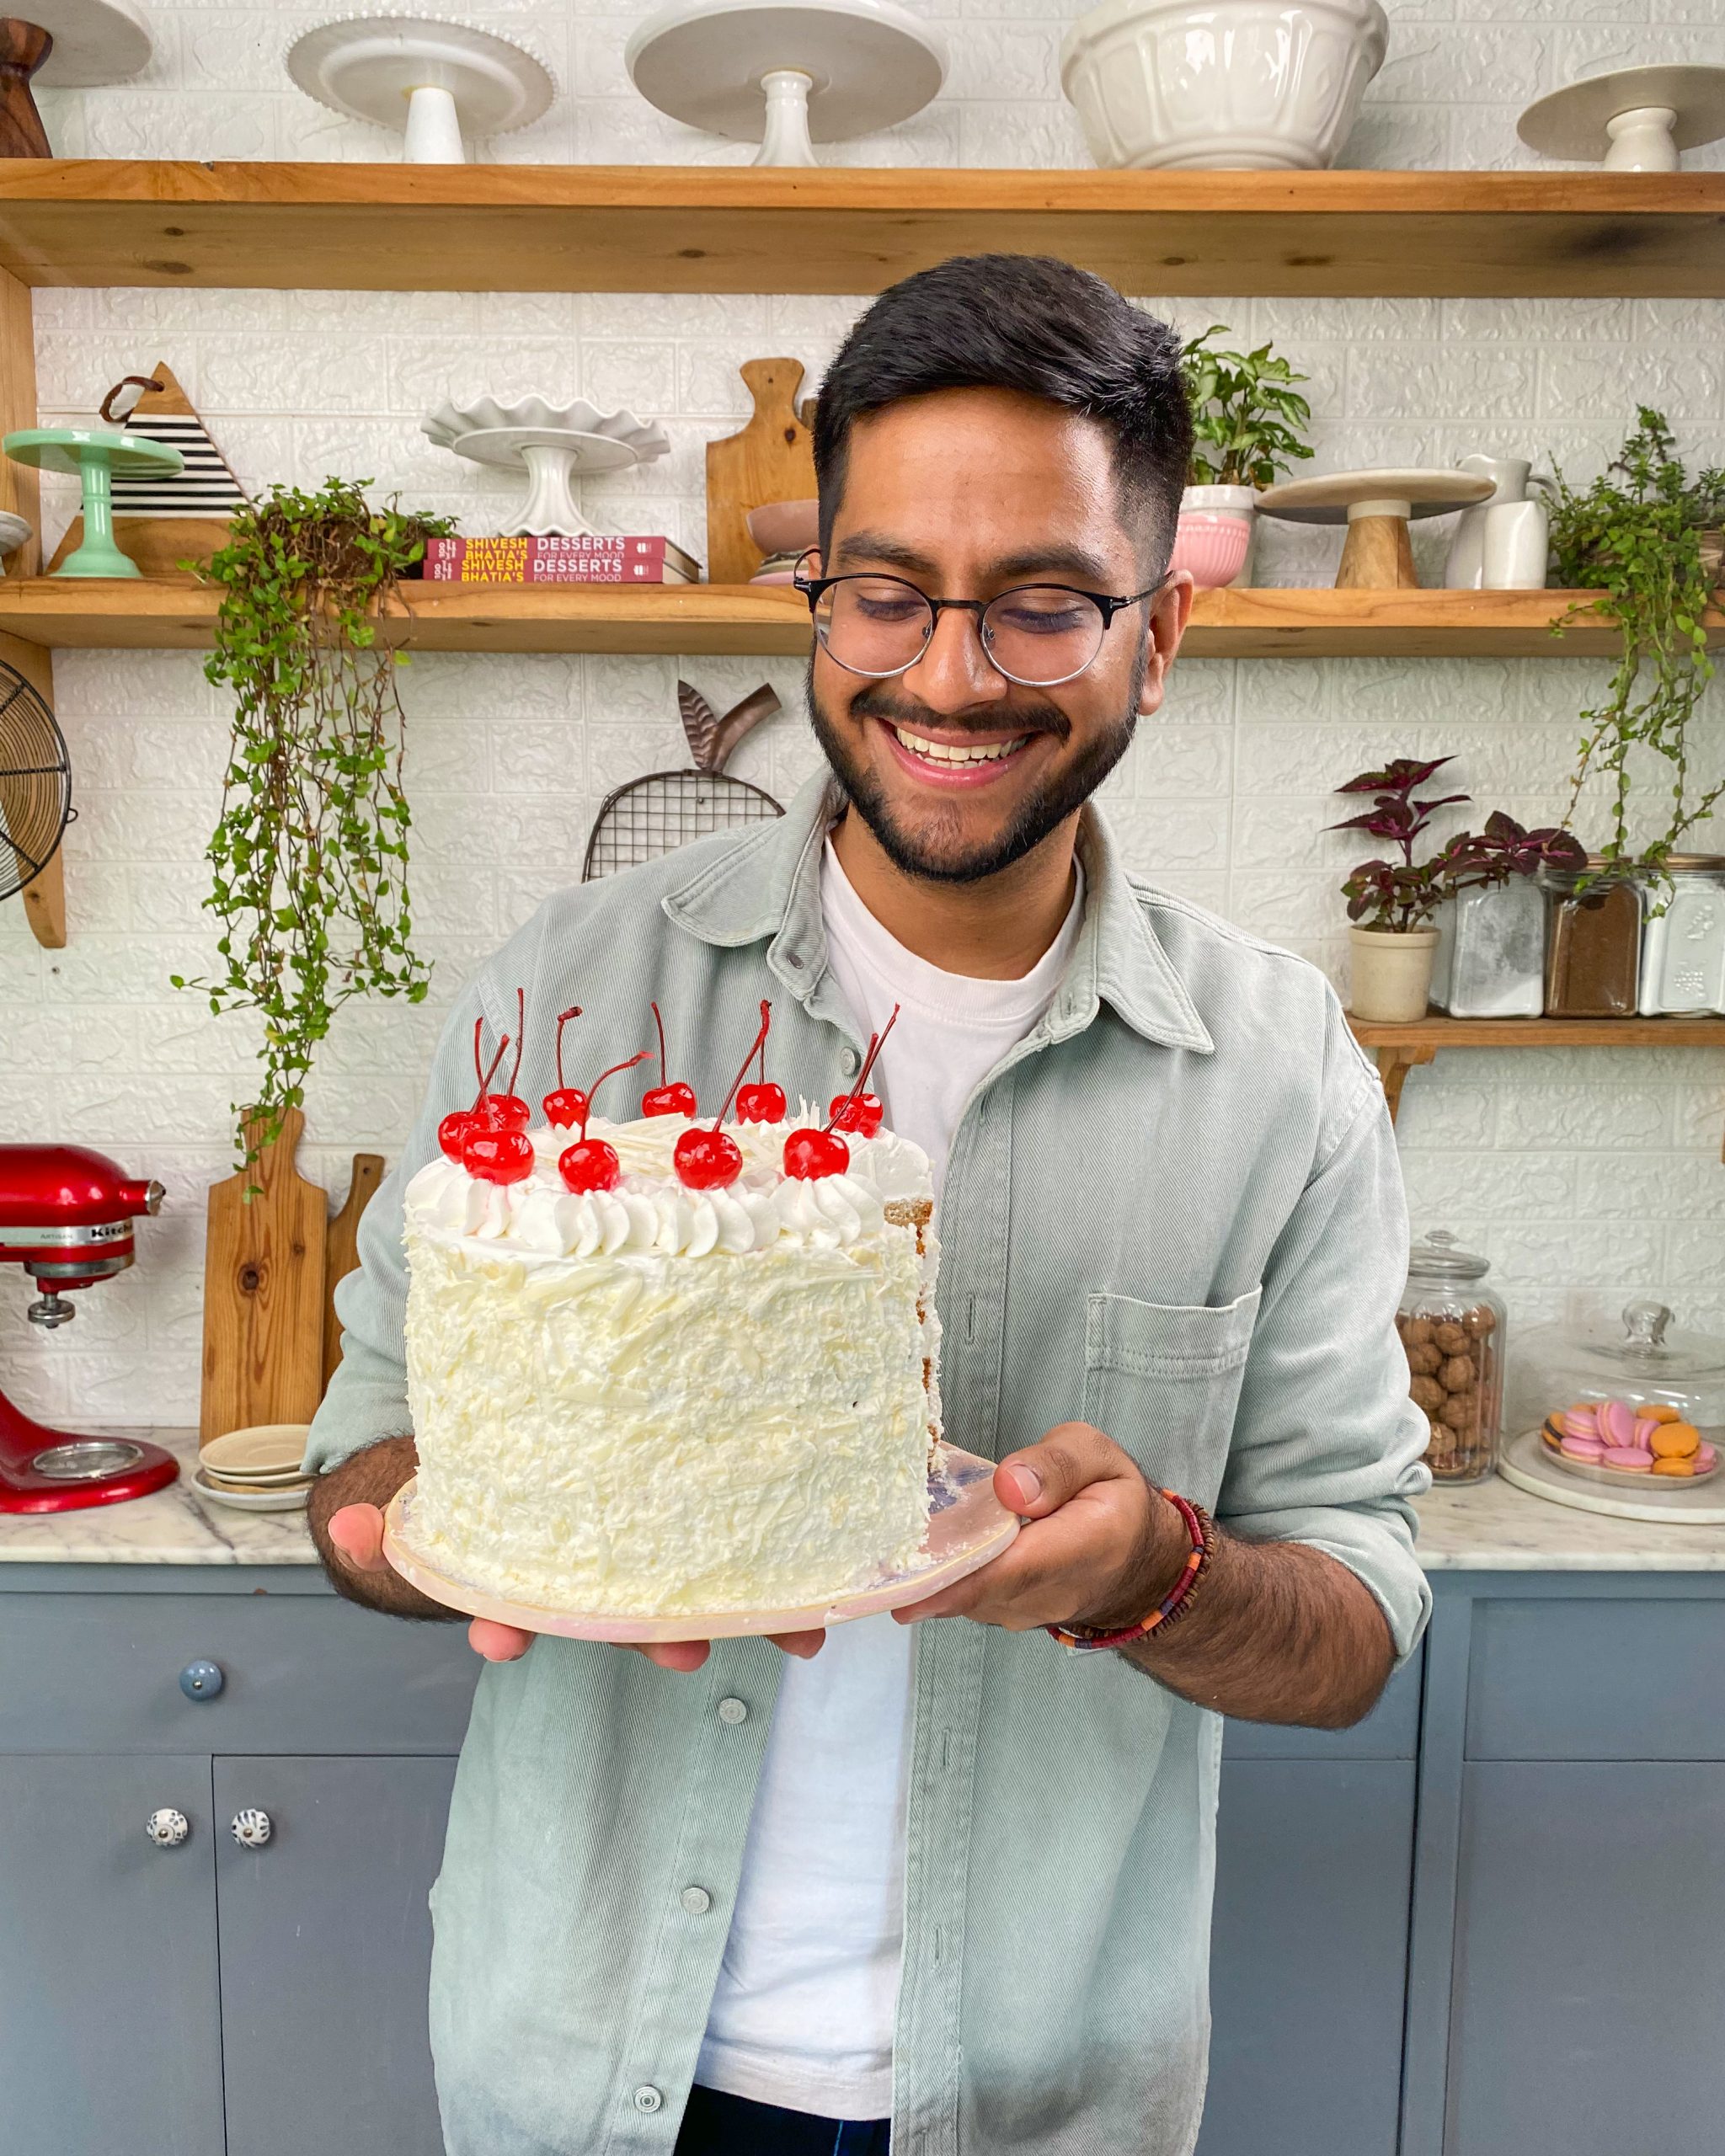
(78, 1238)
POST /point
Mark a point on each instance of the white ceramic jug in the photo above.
(1464, 565)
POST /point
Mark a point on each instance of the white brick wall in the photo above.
(1585, 1176)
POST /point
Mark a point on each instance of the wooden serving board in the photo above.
(264, 1267)
(342, 1249)
(772, 460)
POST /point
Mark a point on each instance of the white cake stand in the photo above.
(787, 76)
(554, 445)
(94, 41)
(438, 81)
(1376, 507)
(1633, 119)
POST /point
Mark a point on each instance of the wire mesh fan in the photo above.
(654, 815)
(35, 783)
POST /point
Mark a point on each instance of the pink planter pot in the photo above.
(1212, 547)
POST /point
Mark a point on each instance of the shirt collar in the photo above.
(767, 886)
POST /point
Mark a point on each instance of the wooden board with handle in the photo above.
(342, 1249)
(264, 1267)
(772, 460)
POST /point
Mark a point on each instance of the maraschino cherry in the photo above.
(668, 1097)
(809, 1154)
(761, 1102)
(566, 1106)
(590, 1164)
(861, 1113)
(508, 1111)
(709, 1159)
(452, 1131)
(495, 1153)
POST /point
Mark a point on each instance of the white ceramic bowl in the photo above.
(1211, 546)
(1209, 84)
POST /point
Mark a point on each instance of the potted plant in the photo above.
(1247, 416)
(1390, 903)
(1646, 534)
(310, 855)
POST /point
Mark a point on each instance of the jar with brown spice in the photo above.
(1593, 942)
(1452, 1333)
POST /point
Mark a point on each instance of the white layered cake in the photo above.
(650, 1399)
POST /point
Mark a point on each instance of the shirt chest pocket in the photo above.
(1162, 1379)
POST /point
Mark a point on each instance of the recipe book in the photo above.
(583, 557)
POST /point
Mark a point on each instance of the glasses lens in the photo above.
(873, 624)
(1042, 632)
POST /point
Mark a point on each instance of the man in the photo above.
(936, 1877)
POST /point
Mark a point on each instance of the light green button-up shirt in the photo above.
(1174, 1210)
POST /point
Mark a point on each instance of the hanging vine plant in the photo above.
(1646, 534)
(309, 858)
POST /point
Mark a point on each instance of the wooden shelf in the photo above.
(1398, 1049)
(174, 613)
(742, 229)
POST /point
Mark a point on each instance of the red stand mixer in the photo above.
(65, 1216)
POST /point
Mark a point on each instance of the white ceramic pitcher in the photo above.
(1511, 476)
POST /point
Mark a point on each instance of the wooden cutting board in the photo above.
(342, 1249)
(263, 1268)
(772, 460)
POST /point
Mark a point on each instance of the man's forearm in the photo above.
(1278, 1632)
(371, 1477)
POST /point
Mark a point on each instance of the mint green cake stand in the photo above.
(94, 456)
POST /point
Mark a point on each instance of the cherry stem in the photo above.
(877, 1042)
(521, 1035)
(489, 1072)
(478, 1028)
(759, 1043)
(640, 1056)
(664, 1074)
(562, 1019)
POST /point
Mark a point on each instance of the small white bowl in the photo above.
(1221, 84)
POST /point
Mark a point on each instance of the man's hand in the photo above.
(1100, 1546)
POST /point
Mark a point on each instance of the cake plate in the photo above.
(438, 81)
(65, 45)
(95, 458)
(554, 445)
(787, 73)
(1633, 119)
(1524, 1463)
(13, 531)
(1376, 506)
(966, 1526)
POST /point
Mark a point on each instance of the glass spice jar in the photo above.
(1593, 942)
(1452, 1334)
(1683, 948)
(1490, 957)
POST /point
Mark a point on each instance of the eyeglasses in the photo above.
(1036, 634)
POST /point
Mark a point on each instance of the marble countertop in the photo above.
(1490, 1526)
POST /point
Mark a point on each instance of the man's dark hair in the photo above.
(1026, 323)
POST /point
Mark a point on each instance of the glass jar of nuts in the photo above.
(1452, 1332)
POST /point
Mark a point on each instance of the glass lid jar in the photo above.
(1623, 1387)
(1452, 1332)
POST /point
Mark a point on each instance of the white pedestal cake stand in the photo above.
(787, 76)
(439, 82)
(553, 444)
(1633, 119)
(967, 1525)
(1376, 507)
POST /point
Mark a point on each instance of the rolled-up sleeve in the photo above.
(367, 1397)
(1327, 1445)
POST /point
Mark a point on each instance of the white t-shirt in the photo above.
(803, 2015)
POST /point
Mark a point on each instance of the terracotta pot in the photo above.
(1391, 974)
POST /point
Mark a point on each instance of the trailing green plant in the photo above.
(309, 859)
(1635, 534)
(1247, 415)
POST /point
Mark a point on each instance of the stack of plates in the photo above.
(256, 1469)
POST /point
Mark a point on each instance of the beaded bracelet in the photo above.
(1081, 1638)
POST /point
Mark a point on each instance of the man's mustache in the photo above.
(881, 702)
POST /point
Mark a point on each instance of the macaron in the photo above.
(1675, 1440)
(1580, 1422)
(1588, 1449)
(1704, 1457)
(1645, 1426)
(1616, 1420)
(1631, 1459)
(1674, 1467)
(1659, 1410)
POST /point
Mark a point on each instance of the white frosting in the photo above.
(654, 1399)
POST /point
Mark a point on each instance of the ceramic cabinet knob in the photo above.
(201, 1680)
(167, 1829)
(251, 1828)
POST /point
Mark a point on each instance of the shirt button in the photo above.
(696, 1900)
(648, 2098)
(733, 1711)
(850, 1063)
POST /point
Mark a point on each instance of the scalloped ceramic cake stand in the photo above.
(94, 456)
(1376, 507)
(93, 42)
(784, 75)
(15, 529)
(437, 81)
(1633, 119)
(555, 445)
(967, 1525)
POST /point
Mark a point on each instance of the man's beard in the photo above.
(1066, 789)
